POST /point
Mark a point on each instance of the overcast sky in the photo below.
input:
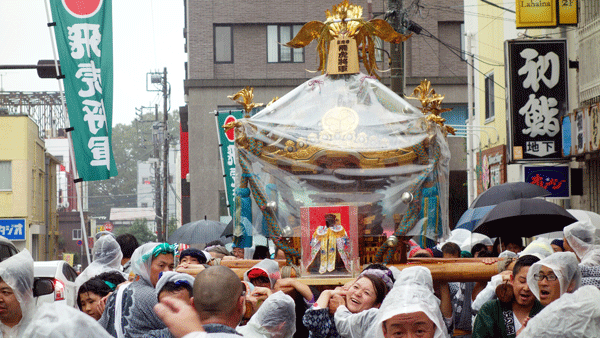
(148, 36)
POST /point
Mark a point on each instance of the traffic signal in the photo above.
(46, 69)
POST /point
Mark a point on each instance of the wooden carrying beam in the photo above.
(442, 269)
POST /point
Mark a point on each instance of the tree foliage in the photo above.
(139, 229)
(131, 143)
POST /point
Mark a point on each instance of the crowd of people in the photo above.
(547, 289)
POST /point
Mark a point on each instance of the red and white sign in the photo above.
(108, 226)
(231, 132)
(82, 9)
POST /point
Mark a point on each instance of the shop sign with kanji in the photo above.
(537, 90)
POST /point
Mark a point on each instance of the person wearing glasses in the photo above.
(554, 276)
(505, 317)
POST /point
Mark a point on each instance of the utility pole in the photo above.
(395, 16)
(157, 185)
(165, 201)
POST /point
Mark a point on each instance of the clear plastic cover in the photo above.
(107, 257)
(346, 140)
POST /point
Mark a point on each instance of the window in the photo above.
(5, 176)
(76, 234)
(223, 43)
(489, 97)
(276, 36)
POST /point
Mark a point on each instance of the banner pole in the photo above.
(70, 140)
(222, 163)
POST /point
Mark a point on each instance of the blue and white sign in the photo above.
(13, 228)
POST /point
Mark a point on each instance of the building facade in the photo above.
(491, 25)
(232, 44)
(28, 198)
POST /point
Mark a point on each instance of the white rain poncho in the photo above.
(408, 297)
(539, 248)
(276, 317)
(270, 267)
(17, 272)
(107, 257)
(564, 265)
(364, 324)
(581, 236)
(172, 276)
(571, 316)
(138, 298)
(418, 275)
(57, 320)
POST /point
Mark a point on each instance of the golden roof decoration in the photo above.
(245, 97)
(345, 20)
(431, 103)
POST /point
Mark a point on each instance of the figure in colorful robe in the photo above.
(328, 241)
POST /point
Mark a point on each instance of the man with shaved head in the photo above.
(219, 299)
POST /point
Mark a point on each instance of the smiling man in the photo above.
(16, 295)
(497, 319)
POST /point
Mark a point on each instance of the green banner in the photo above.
(227, 145)
(84, 39)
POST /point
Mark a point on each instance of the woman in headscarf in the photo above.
(365, 294)
(130, 312)
(107, 257)
(276, 318)
(16, 286)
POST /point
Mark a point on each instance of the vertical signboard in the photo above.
(567, 12)
(227, 145)
(84, 40)
(594, 127)
(579, 131)
(537, 97)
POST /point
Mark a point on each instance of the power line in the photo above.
(419, 31)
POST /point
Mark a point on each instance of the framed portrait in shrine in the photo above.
(329, 241)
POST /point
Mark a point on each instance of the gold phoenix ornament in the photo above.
(431, 104)
(247, 97)
(345, 21)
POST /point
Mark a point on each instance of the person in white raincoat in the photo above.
(571, 316)
(554, 276)
(411, 307)
(57, 320)
(276, 318)
(107, 257)
(264, 273)
(580, 238)
(17, 305)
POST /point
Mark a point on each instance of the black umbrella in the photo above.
(524, 217)
(508, 191)
(228, 231)
(202, 231)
